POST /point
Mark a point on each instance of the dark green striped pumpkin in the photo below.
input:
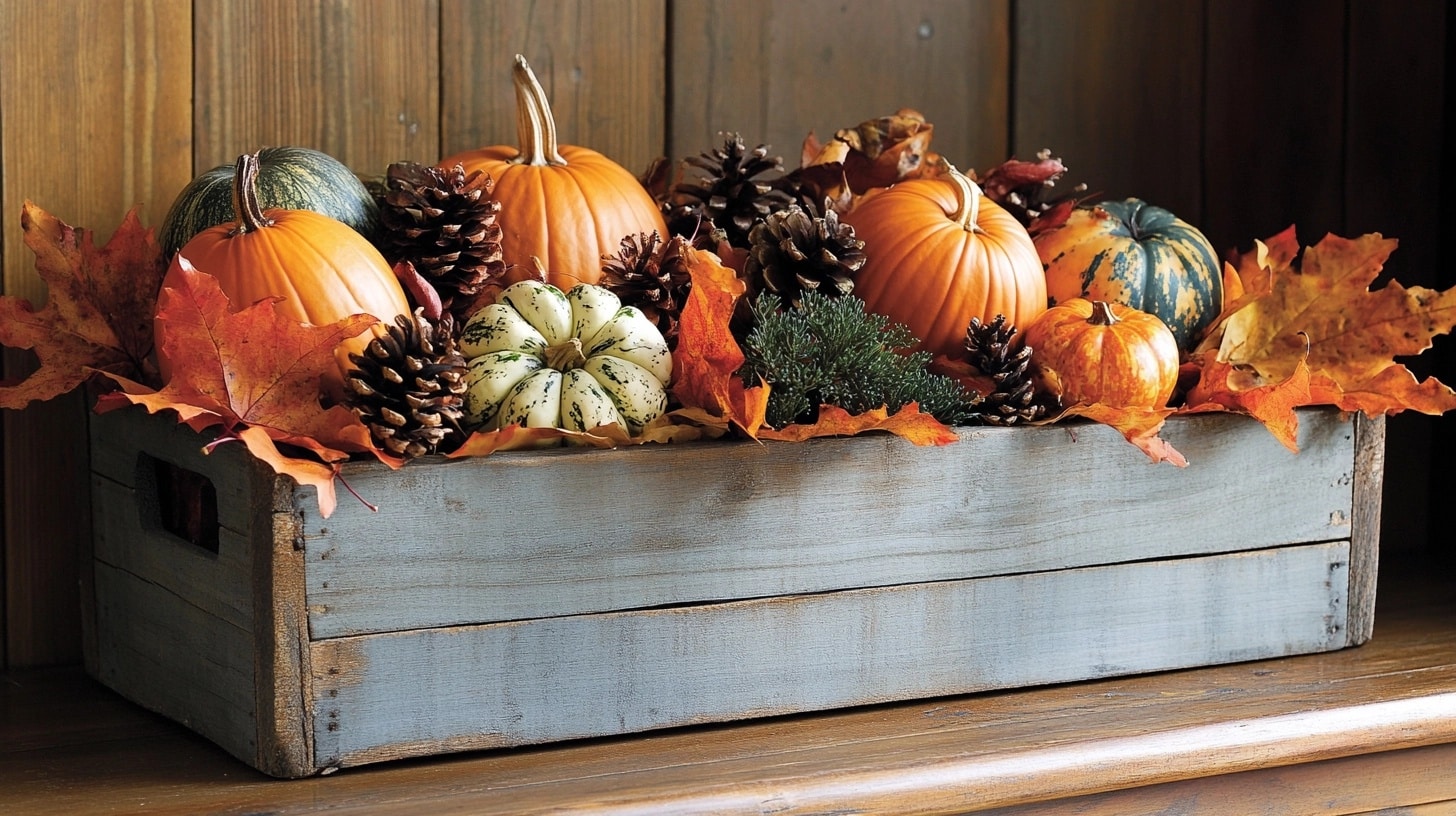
(293, 178)
(1138, 255)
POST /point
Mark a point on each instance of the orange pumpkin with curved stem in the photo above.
(938, 253)
(1094, 352)
(564, 204)
(322, 269)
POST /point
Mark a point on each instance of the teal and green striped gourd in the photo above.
(1138, 255)
(289, 178)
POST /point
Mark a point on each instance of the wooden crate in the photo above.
(539, 596)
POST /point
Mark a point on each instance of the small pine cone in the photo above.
(793, 251)
(652, 276)
(1013, 400)
(444, 222)
(408, 387)
(733, 190)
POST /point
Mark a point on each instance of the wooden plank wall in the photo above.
(1243, 116)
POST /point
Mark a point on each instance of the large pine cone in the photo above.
(444, 222)
(408, 387)
(734, 190)
(793, 251)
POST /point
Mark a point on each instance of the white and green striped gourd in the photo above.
(543, 358)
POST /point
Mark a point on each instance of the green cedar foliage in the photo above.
(831, 351)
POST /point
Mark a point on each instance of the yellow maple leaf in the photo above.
(1315, 308)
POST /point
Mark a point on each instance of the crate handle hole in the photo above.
(183, 502)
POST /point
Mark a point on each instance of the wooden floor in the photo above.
(1365, 730)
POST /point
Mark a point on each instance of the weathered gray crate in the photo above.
(531, 597)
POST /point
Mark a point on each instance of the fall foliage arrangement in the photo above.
(540, 294)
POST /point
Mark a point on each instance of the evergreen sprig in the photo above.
(830, 350)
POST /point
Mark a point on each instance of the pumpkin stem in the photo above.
(1102, 314)
(245, 196)
(968, 193)
(565, 356)
(535, 126)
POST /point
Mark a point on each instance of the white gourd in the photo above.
(575, 360)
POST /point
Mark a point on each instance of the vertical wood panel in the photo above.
(776, 71)
(1114, 87)
(1394, 136)
(357, 80)
(1276, 117)
(602, 64)
(94, 106)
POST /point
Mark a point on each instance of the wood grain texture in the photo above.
(758, 521)
(176, 659)
(774, 72)
(382, 697)
(83, 87)
(75, 748)
(216, 640)
(1337, 786)
(1266, 63)
(359, 81)
(601, 62)
(1115, 88)
(1365, 532)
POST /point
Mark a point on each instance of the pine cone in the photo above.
(652, 276)
(793, 251)
(408, 387)
(729, 195)
(444, 222)
(1014, 399)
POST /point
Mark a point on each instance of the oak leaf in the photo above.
(1315, 308)
(98, 311)
(257, 371)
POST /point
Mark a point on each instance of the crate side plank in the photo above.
(211, 581)
(388, 696)
(1365, 532)
(284, 688)
(167, 655)
(516, 536)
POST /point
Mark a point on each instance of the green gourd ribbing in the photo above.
(1132, 253)
(294, 178)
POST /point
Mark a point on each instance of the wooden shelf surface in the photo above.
(1354, 731)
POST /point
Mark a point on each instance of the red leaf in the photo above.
(255, 374)
(98, 312)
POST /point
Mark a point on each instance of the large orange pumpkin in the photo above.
(1094, 352)
(938, 253)
(565, 205)
(322, 269)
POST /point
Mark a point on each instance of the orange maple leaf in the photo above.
(256, 371)
(1140, 426)
(707, 357)
(98, 312)
(1316, 309)
(1221, 387)
(908, 423)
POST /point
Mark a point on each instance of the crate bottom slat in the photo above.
(390, 696)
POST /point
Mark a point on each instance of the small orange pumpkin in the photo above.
(565, 205)
(1094, 352)
(322, 269)
(938, 253)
